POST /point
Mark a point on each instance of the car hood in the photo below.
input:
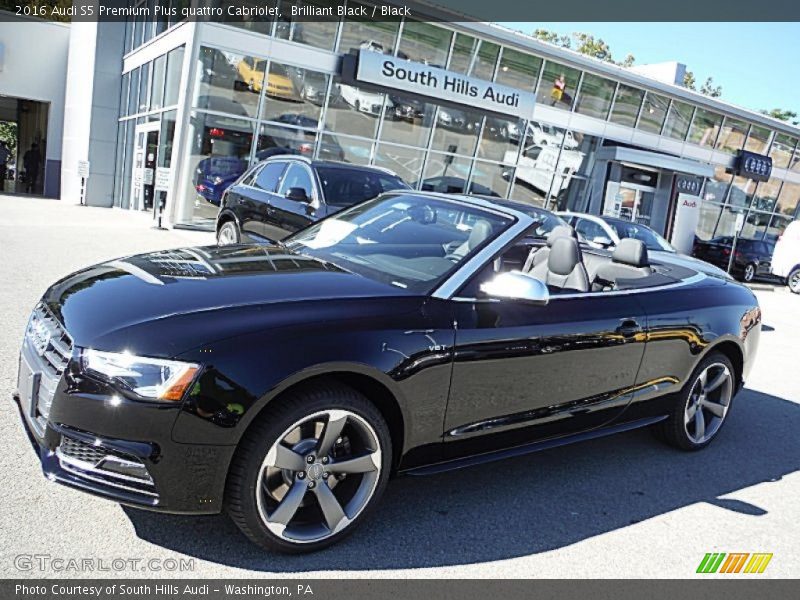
(682, 260)
(174, 294)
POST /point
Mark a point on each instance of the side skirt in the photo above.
(469, 461)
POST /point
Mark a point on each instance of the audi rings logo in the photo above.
(689, 186)
(39, 336)
(754, 166)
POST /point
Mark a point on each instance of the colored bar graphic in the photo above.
(758, 563)
(713, 562)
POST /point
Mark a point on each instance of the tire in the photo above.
(680, 429)
(357, 105)
(228, 234)
(749, 272)
(793, 280)
(257, 489)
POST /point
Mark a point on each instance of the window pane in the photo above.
(320, 33)
(579, 152)
(741, 192)
(794, 165)
(229, 82)
(732, 136)
(424, 42)
(558, 85)
(789, 198)
(276, 139)
(518, 70)
(294, 96)
(159, 72)
(408, 121)
(627, 105)
(709, 215)
(446, 174)
(350, 149)
(574, 196)
(594, 99)
(531, 185)
(781, 151)
(173, 77)
(678, 119)
(267, 178)
(776, 227)
(497, 141)
(490, 179)
(766, 195)
(144, 88)
(717, 188)
(123, 94)
(220, 149)
(364, 33)
(353, 111)
(474, 57)
(755, 225)
(654, 112)
(297, 176)
(757, 140)
(456, 130)
(705, 128)
(406, 162)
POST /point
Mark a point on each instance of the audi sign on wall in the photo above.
(753, 166)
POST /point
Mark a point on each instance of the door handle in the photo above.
(629, 328)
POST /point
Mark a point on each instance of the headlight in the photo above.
(151, 378)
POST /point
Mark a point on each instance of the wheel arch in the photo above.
(371, 385)
(224, 216)
(733, 351)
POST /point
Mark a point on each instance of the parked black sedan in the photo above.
(285, 383)
(751, 258)
(283, 194)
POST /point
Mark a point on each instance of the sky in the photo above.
(755, 63)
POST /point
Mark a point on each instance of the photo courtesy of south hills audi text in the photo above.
(362, 298)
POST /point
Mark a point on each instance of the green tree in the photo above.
(711, 90)
(585, 43)
(552, 37)
(9, 133)
(689, 82)
(782, 114)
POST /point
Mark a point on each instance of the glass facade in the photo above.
(244, 108)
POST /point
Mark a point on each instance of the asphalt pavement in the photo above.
(622, 506)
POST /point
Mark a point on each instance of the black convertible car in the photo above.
(411, 333)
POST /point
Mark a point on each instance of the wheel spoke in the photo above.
(691, 409)
(717, 381)
(699, 426)
(717, 409)
(331, 509)
(360, 464)
(289, 505)
(702, 379)
(332, 431)
(284, 458)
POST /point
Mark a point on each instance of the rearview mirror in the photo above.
(297, 194)
(517, 286)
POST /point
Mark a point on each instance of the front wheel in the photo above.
(309, 470)
(702, 407)
(793, 281)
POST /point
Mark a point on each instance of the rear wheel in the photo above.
(749, 272)
(793, 280)
(309, 470)
(228, 234)
(702, 407)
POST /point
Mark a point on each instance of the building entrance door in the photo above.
(145, 159)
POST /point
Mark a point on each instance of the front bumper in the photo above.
(121, 449)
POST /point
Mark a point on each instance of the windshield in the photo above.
(544, 223)
(345, 187)
(407, 241)
(651, 239)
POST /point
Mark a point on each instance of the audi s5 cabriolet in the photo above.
(412, 333)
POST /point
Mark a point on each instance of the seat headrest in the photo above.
(631, 252)
(480, 232)
(565, 254)
(561, 231)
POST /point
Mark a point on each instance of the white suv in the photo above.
(786, 258)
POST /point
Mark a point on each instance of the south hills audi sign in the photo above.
(442, 85)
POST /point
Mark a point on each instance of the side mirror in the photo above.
(517, 286)
(603, 241)
(297, 194)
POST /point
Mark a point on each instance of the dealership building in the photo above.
(168, 113)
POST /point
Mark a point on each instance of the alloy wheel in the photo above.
(708, 403)
(227, 235)
(794, 281)
(318, 476)
(749, 272)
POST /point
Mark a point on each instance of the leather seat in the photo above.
(628, 261)
(565, 268)
(537, 257)
(479, 234)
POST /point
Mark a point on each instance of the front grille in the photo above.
(46, 351)
(95, 463)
